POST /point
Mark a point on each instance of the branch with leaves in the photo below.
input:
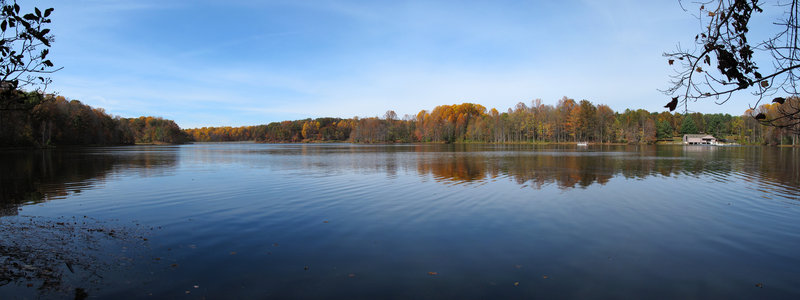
(723, 60)
(24, 45)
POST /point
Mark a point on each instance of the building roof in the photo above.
(696, 136)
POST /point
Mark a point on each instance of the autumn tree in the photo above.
(567, 119)
(605, 122)
(310, 129)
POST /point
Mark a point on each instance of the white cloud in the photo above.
(363, 59)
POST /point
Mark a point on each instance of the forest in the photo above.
(566, 122)
(34, 119)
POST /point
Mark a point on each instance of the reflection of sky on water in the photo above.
(633, 220)
(53, 174)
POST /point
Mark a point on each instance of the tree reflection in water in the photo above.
(37, 176)
(568, 168)
(31, 177)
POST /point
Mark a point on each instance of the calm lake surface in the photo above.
(240, 220)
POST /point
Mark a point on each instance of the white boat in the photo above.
(584, 144)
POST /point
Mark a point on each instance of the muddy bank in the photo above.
(65, 257)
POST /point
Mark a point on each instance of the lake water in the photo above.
(241, 220)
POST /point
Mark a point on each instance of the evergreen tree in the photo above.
(663, 130)
(688, 126)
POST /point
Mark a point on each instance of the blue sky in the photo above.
(216, 63)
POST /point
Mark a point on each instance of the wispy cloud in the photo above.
(245, 62)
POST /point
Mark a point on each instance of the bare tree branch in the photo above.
(723, 61)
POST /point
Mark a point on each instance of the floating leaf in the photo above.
(545, 276)
(760, 285)
(671, 61)
(305, 268)
(433, 273)
(516, 283)
(699, 70)
(711, 14)
(351, 275)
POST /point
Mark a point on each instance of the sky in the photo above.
(236, 63)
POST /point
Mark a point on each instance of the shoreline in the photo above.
(33, 147)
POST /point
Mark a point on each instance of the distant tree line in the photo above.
(321, 129)
(567, 121)
(34, 119)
